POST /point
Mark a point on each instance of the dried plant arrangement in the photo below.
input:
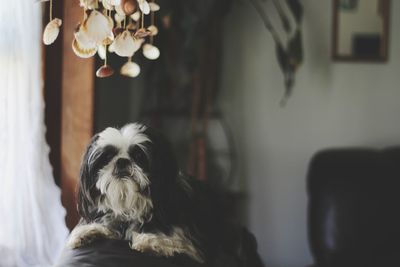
(111, 26)
(289, 51)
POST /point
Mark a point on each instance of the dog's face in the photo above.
(126, 172)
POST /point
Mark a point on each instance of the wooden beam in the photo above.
(52, 76)
(77, 110)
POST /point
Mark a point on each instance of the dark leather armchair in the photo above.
(354, 208)
(239, 250)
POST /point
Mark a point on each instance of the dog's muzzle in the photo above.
(122, 168)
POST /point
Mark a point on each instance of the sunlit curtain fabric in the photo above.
(32, 228)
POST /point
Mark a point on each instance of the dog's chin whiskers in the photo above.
(122, 197)
(141, 178)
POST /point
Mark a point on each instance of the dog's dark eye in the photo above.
(108, 154)
(104, 156)
(138, 156)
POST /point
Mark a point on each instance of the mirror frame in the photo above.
(383, 57)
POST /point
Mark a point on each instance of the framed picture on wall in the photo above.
(360, 30)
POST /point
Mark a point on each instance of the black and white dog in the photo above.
(131, 189)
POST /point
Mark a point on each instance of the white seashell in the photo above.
(81, 51)
(153, 30)
(82, 45)
(51, 31)
(125, 45)
(139, 42)
(119, 10)
(97, 26)
(101, 51)
(119, 18)
(151, 52)
(89, 4)
(110, 38)
(144, 6)
(131, 26)
(130, 69)
(136, 16)
(83, 39)
(154, 7)
(108, 5)
(142, 33)
(111, 48)
(112, 2)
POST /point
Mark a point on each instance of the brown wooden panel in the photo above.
(52, 75)
(77, 110)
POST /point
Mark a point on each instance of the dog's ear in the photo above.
(163, 162)
(86, 189)
(164, 172)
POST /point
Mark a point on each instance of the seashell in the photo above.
(142, 33)
(140, 41)
(51, 31)
(107, 4)
(154, 7)
(120, 11)
(119, 18)
(128, 6)
(112, 2)
(151, 52)
(82, 45)
(136, 16)
(130, 69)
(125, 45)
(118, 30)
(89, 4)
(144, 6)
(104, 71)
(110, 38)
(81, 51)
(110, 25)
(102, 51)
(83, 39)
(111, 48)
(131, 26)
(97, 26)
(153, 30)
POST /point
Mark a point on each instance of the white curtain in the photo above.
(32, 227)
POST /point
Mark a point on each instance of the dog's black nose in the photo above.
(123, 164)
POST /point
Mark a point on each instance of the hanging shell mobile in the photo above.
(111, 26)
(52, 29)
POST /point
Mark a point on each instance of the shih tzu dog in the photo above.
(131, 189)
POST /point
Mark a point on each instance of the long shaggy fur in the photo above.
(130, 188)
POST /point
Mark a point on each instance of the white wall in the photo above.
(334, 104)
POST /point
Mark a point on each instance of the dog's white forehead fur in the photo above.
(122, 196)
(130, 134)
